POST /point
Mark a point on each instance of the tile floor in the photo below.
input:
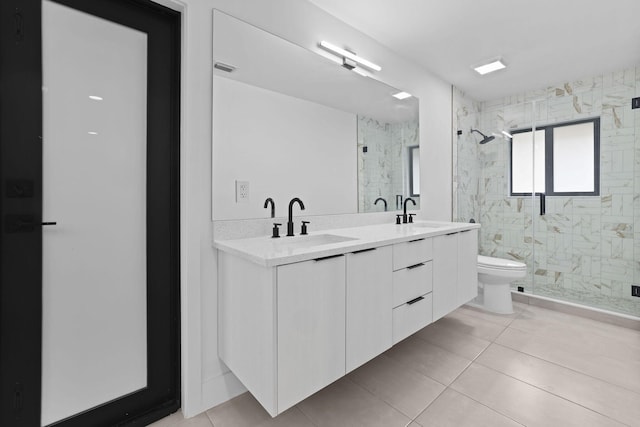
(536, 367)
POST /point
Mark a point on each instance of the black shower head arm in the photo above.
(485, 138)
(476, 130)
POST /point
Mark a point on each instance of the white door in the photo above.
(94, 188)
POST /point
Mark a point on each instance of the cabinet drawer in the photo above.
(411, 282)
(412, 252)
(410, 318)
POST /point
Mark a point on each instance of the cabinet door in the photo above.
(311, 327)
(467, 266)
(369, 305)
(445, 275)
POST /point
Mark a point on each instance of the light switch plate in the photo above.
(242, 191)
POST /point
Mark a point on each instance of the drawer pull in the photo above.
(451, 234)
(465, 231)
(411, 267)
(416, 240)
(328, 257)
(364, 250)
(415, 300)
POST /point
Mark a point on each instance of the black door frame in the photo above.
(21, 213)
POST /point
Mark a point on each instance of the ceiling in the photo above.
(543, 42)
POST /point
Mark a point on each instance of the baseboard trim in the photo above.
(605, 316)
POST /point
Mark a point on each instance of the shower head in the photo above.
(485, 138)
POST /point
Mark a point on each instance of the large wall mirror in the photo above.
(289, 122)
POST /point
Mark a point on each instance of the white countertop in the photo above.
(270, 252)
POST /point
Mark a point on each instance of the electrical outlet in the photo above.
(242, 191)
(635, 103)
(635, 290)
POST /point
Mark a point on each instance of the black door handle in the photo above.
(543, 208)
(22, 223)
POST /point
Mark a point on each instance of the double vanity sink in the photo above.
(271, 252)
(297, 313)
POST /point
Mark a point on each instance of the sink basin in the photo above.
(303, 242)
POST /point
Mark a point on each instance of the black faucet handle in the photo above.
(303, 230)
(411, 217)
(276, 230)
(398, 220)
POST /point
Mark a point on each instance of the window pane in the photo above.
(415, 171)
(522, 164)
(573, 158)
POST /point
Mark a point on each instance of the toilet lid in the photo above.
(491, 262)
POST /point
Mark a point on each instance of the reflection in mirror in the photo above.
(386, 156)
(292, 123)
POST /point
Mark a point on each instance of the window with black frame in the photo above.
(566, 161)
(414, 171)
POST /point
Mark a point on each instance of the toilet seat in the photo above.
(499, 263)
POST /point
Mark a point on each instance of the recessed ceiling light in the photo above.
(92, 133)
(95, 98)
(490, 67)
(401, 95)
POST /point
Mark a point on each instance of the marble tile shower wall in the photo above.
(382, 169)
(586, 249)
(466, 165)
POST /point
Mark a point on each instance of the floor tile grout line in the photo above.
(417, 371)
(412, 371)
(449, 351)
(377, 397)
(567, 368)
(486, 406)
(304, 413)
(472, 309)
(209, 418)
(553, 394)
(564, 366)
(431, 403)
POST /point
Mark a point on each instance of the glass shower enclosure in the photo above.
(578, 231)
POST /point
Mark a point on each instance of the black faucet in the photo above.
(290, 222)
(404, 213)
(383, 200)
(273, 206)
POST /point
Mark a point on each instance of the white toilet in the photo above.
(494, 283)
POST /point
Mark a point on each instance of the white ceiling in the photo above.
(543, 42)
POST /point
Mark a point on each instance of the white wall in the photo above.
(205, 380)
(284, 147)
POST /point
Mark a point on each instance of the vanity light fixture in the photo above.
(346, 55)
(95, 98)
(490, 67)
(361, 72)
(401, 95)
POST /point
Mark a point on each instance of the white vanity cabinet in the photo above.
(282, 329)
(292, 320)
(467, 266)
(368, 307)
(455, 279)
(311, 327)
(412, 286)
